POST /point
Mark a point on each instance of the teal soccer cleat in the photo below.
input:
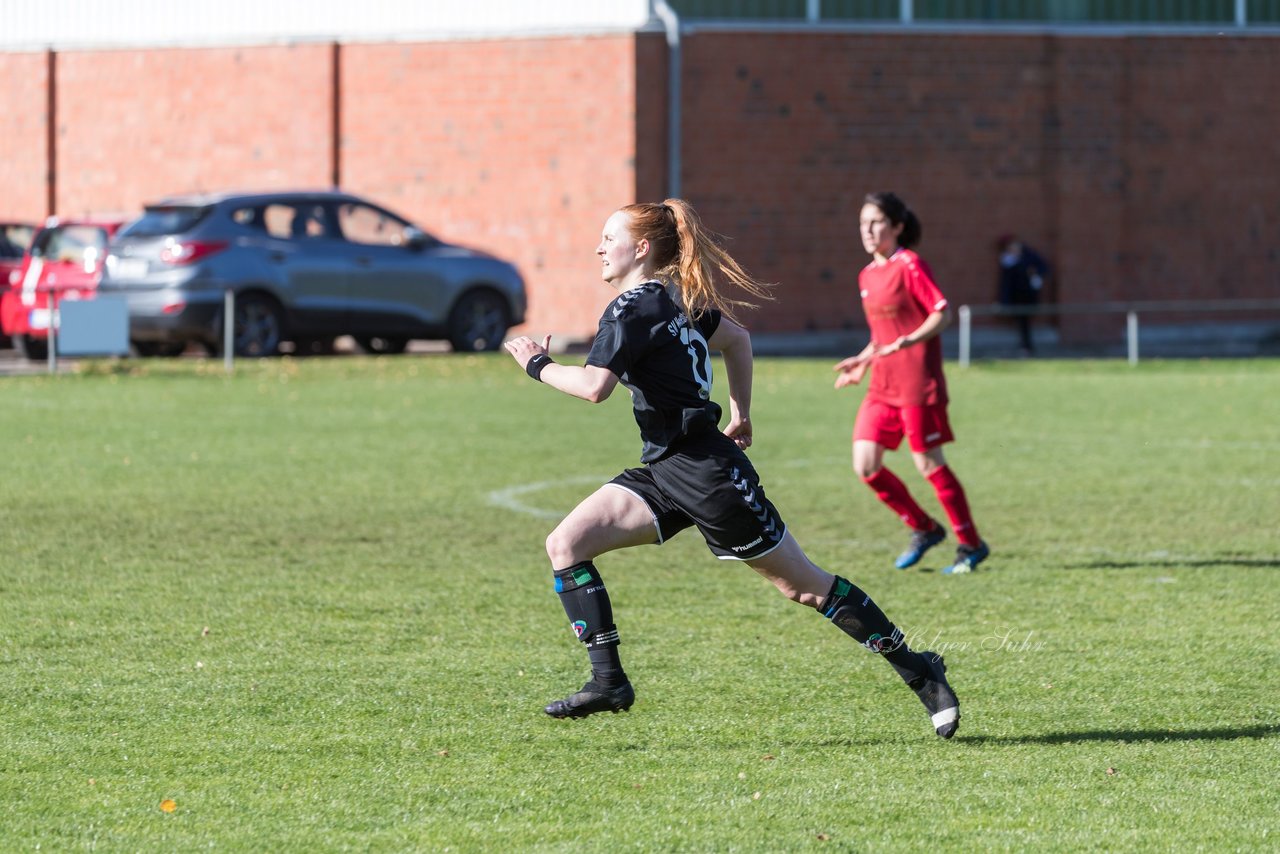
(921, 542)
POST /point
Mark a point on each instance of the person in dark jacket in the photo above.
(1023, 273)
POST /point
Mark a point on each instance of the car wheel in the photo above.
(30, 347)
(478, 322)
(380, 345)
(259, 326)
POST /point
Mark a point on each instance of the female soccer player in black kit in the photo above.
(656, 338)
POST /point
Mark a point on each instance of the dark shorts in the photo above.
(715, 487)
(926, 427)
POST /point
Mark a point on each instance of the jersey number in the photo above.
(700, 354)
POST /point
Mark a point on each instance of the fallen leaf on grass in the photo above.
(204, 633)
(1111, 772)
(756, 796)
(442, 753)
(168, 805)
(822, 837)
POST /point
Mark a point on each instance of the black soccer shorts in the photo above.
(714, 487)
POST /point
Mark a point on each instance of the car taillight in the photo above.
(187, 251)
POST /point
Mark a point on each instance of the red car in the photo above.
(15, 237)
(65, 256)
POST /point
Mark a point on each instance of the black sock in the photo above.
(586, 602)
(857, 616)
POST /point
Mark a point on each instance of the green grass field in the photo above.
(309, 604)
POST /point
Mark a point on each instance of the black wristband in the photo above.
(536, 365)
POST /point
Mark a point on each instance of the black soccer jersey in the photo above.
(662, 357)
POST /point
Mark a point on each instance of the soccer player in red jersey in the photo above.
(907, 395)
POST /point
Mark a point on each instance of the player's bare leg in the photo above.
(608, 519)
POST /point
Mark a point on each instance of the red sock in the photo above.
(951, 495)
(893, 492)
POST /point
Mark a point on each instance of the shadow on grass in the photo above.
(1263, 563)
(1132, 735)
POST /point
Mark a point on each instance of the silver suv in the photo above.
(305, 267)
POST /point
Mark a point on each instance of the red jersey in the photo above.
(896, 297)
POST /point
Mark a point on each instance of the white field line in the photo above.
(511, 498)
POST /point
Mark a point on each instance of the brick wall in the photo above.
(1144, 167)
(24, 162)
(521, 147)
(797, 129)
(137, 125)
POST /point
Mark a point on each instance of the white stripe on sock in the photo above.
(946, 716)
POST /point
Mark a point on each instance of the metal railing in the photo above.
(1170, 13)
(1131, 310)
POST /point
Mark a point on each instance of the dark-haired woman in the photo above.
(656, 338)
(907, 394)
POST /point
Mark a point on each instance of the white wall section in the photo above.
(90, 24)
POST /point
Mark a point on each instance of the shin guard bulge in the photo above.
(855, 614)
(590, 613)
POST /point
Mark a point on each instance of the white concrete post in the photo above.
(229, 331)
(1131, 335)
(53, 332)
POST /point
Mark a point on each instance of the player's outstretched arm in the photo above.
(852, 369)
(734, 343)
(867, 354)
(931, 327)
(591, 383)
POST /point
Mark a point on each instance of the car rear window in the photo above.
(14, 239)
(165, 219)
(79, 244)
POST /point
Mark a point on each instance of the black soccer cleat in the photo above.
(939, 700)
(967, 559)
(593, 698)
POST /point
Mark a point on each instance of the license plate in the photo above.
(130, 268)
